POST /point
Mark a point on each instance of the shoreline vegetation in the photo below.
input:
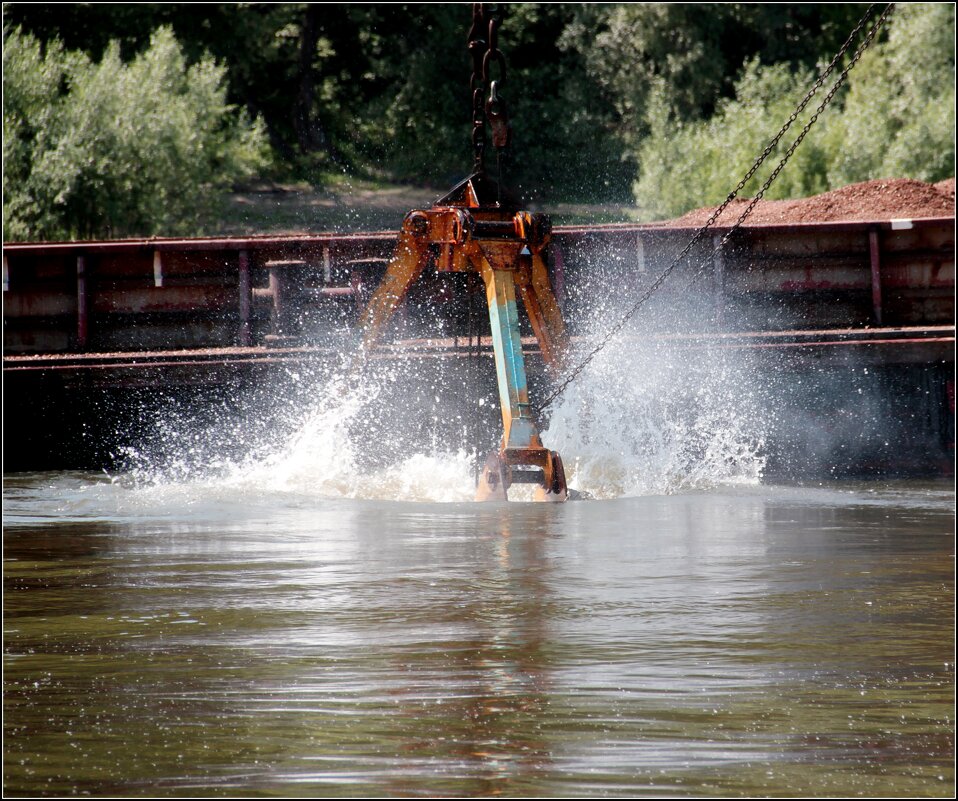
(184, 120)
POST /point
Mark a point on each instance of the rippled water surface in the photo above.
(209, 639)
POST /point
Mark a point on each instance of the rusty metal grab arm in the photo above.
(406, 265)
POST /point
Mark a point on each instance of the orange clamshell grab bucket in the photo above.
(474, 233)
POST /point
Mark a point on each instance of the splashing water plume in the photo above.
(645, 418)
(655, 419)
(312, 445)
(324, 458)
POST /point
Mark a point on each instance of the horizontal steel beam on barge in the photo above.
(191, 293)
(199, 243)
(893, 345)
(569, 231)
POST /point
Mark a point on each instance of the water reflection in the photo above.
(760, 641)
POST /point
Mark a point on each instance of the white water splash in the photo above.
(322, 457)
(641, 420)
(658, 419)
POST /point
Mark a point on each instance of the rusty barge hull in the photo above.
(94, 330)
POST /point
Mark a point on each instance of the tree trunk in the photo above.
(310, 132)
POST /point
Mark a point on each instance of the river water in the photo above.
(300, 621)
(203, 638)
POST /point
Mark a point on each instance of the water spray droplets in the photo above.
(646, 419)
(649, 416)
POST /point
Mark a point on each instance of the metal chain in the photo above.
(660, 279)
(477, 45)
(487, 100)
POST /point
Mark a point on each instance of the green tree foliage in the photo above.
(416, 122)
(565, 128)
(691, 164)
(381, 89)
(896, 119)
(110, 148)
(694, 52)
(419, 117)
(675, 99)
(899, 117)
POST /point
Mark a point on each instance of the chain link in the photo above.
(477, 46)
(487, 101)
(660, 279)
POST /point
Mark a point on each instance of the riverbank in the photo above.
(347, 204)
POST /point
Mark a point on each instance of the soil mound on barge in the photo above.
(947, 187)
(885, 199)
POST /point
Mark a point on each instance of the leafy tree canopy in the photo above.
(896, 119)
(670, 101)
(113, 148)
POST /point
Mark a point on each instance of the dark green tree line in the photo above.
(895, 118)
(597, 93)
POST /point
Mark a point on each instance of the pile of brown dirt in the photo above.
(891, 199)
(947, 187)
